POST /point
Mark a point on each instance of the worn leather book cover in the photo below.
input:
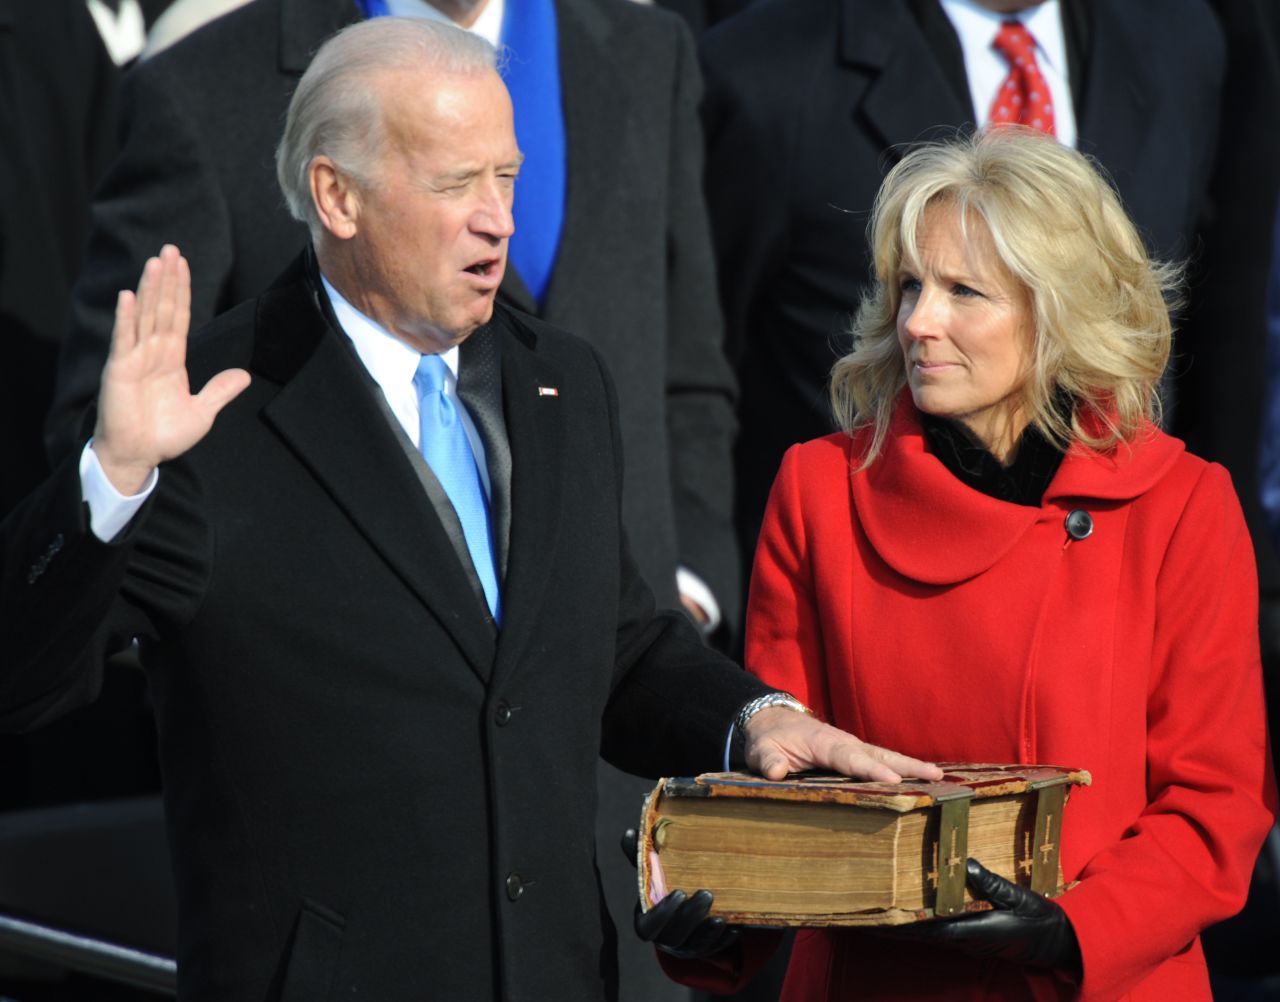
(817, 849)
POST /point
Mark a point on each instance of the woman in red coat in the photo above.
(1002, 559)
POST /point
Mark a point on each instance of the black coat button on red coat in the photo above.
(1079, 524)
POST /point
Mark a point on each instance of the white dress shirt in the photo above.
(987, 69)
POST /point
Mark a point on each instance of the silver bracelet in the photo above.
(769, 699)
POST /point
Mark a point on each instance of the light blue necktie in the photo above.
(446, 449)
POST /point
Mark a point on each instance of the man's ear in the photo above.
(336, 198)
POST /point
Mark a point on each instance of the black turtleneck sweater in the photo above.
(1023, 481)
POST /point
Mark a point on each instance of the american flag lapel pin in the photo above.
(548, 391)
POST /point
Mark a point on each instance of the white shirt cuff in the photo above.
(109, 510)
(728, 743)
(695, 589)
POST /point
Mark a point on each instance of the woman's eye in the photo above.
(964, 290)
(908, 284)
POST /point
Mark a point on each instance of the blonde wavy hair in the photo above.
(1100, 305)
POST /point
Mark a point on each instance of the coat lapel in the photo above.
(907, 95)
(480, 389)
(535, 428)
(327, 414)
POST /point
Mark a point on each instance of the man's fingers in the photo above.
(182, 297)
(164, 295)
(780, 741)
(148, 290)
(173, 294)
(906, 766)
(221, 390)
(884, 766)
(125, 333)
(166, 292)
(774, 767)
(876, 771)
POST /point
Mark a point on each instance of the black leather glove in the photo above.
(1024, 928)
(678, 924)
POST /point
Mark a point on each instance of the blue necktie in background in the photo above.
(447, 450)
(532, 74)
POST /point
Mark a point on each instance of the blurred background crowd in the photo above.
(709, 179)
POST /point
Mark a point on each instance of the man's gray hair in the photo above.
(336, 110)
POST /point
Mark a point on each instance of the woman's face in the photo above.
(965, 327)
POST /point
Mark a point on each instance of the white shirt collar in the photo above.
(1044, 21)
(488, 25)
(387, 358)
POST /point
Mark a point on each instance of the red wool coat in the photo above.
(932, 619)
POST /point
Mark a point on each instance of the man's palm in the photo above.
(147, 413)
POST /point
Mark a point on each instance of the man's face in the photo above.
(431, 241)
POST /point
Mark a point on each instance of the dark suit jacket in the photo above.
(807, 101)
(634, 276)
(57, 110)
(1222, 390)
(703, 14)
(368, 790)
(48, 563)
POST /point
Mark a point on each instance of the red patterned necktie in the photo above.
(1024, 96)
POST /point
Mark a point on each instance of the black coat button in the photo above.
(1079, 524)
(502, 715)
(515, 886)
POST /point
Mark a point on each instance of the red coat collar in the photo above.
(931, 528)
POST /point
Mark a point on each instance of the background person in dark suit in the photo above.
(58, 90)
(379, 776)
(57, 113)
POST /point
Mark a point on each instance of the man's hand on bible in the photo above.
(780, 740)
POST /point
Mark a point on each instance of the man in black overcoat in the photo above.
(633, 273)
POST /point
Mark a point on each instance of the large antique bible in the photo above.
(818, 849)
